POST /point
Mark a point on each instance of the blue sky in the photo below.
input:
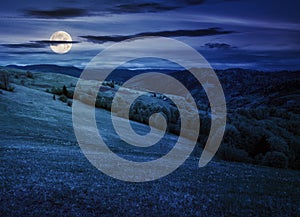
(256, 34)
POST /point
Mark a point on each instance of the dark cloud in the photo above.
(27, 52)
(25, 45)
(48, 42)
(218, 46)
(105, 7)
(175, 33)
(37, 44)
(142, 7)
(59, 13)
(148, 6)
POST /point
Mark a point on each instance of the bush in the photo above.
(69, 103)
(29, 74)
(63, 98)
(11, 88)
(103, 102)
(110, 84)
(56, 90)
(4, 82)
(275, 159)
(70, 94)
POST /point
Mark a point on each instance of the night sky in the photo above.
(254, 34)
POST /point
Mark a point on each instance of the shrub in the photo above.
(275, 159)
(99, 102)
(110, 84)
(11, 88)
(56, 90)
(63, 98)
(70, 94)
(29, 74)
(4, 82)
(69, 103)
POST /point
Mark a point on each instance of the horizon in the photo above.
(12, 66)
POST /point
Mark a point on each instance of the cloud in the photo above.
(150, 6)
(175, 33)
(218, 46)
(142, 7)
(63, 11)
(37, 44)
(27, 52)
(48, 42)
(59, 13)
(24, 45)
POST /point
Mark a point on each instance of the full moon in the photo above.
(60, 47)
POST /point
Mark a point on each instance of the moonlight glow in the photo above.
(61, 36)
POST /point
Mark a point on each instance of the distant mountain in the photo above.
(120, 74)
(242, 87)
(48, 68)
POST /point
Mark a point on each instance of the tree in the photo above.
(4, 82)
(262, 146)
(65, 91)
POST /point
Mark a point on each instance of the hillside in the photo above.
(48, 68)
(44, 172)
(263, 119)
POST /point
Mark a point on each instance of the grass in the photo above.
(42, 179)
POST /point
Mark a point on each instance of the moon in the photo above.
(61, 36)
